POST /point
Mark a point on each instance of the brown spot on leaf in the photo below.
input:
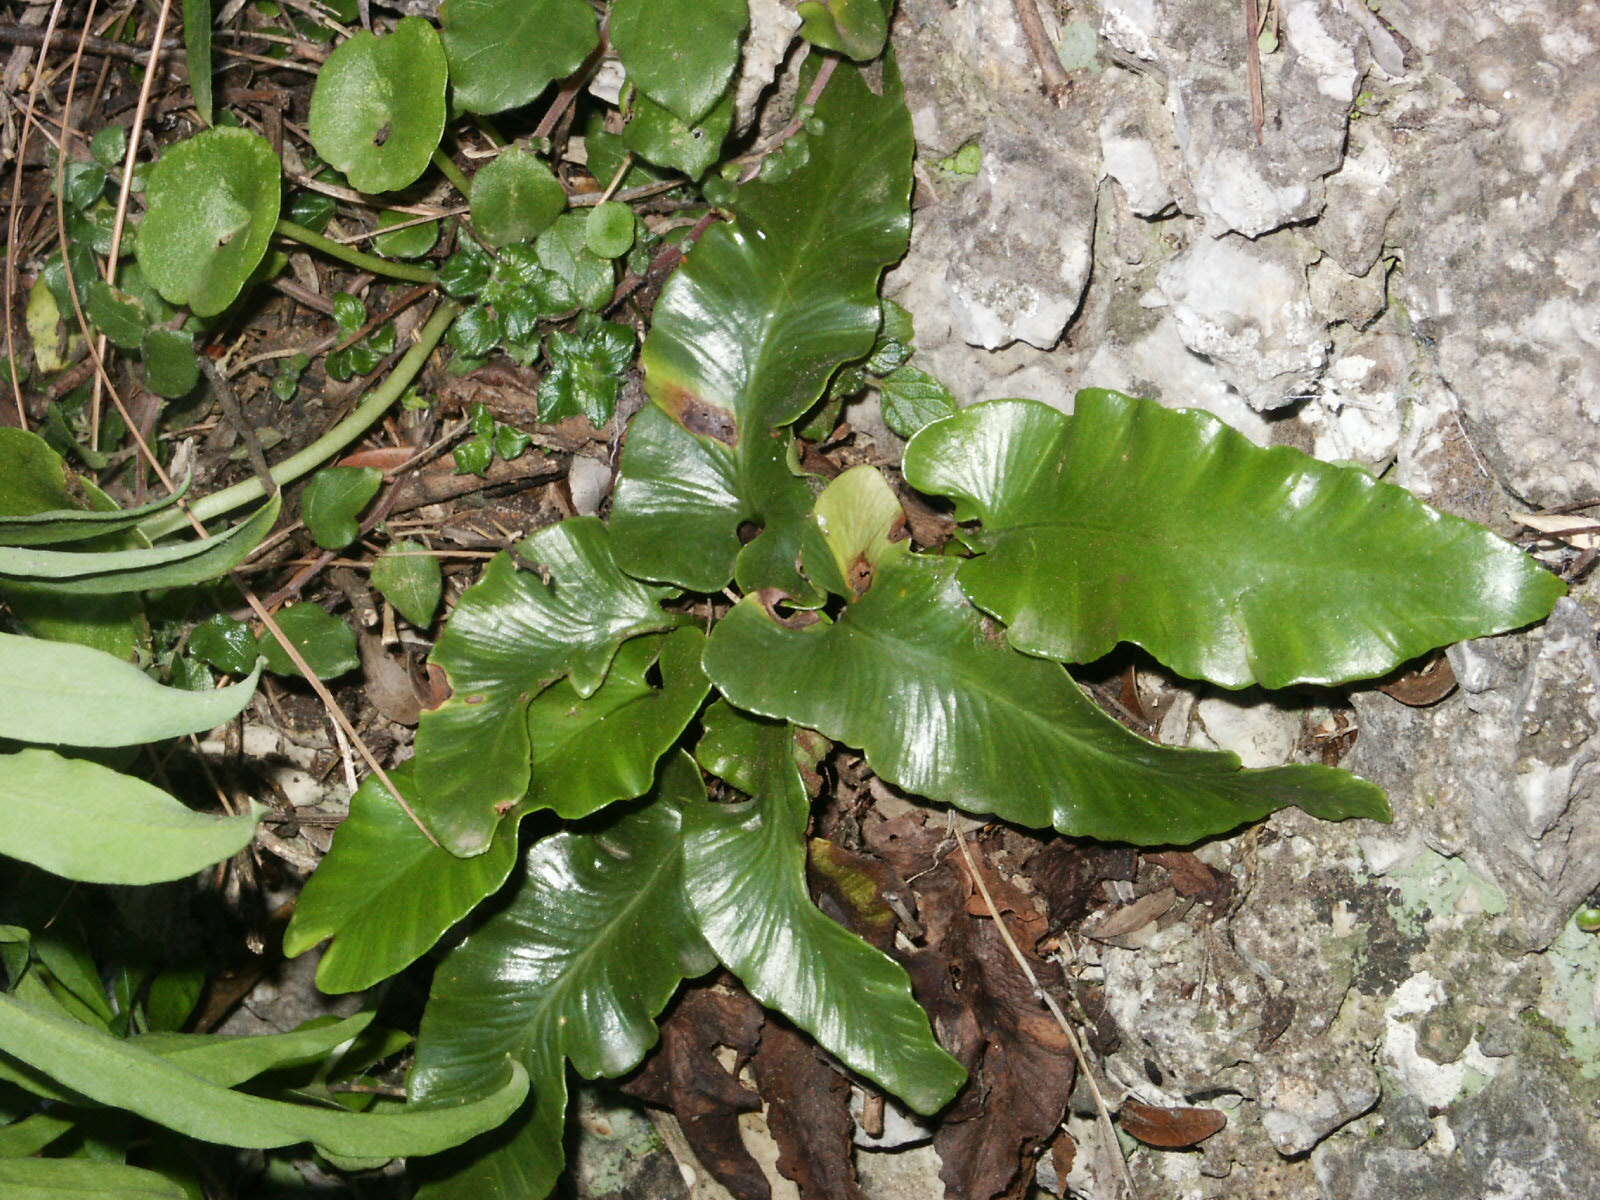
(382, 136)
(770, 598)
(859, 576)
(1170, 1128)
(697, 416)
(479, 698)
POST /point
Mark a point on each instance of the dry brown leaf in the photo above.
(1170, 1128)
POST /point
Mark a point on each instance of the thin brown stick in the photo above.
(16, 204)
(64, 39)
(1056, 82)
(1252, 59)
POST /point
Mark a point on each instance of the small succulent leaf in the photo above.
(384, 893)
(658, 136)
(593, 940)
(609, 229)
(855, 516)
(944, 708)
(213, 202)
(512, 635)
(745, 876)
(855, 28)
(170, 366)
(86, 822)
(747, 333)
(78, 1179)
(334, 499)
(410, 578)
(109, 571)
(197, 54)
(412, 241)
(515, 198)
(503, 53)
(911, 398)
(61, 694)
(588, 752)
(378, 108)
(323, 640)
(224, 643)
(1128, 521)
(115, 314)
(686, 72)
(120, 1074)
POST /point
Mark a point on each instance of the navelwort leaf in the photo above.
(83, 821)
(515, 197)
(513, 634)
(744, 874)
(70, 695)
(378, 109)
(746, 334)
(123, 1075)
(334, 499)
(384, 893)
(213, 201)
(590, 946)
(105, 572)
(588, 752)
(944, 708)
(1128, 521)
(503, 53)
(686, 72)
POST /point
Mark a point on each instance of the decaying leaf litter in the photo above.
(896, 873)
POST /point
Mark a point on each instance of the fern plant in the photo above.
(736, 614)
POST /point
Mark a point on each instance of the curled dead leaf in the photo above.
(1170, 1128)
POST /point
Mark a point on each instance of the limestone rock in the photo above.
(1246, 306)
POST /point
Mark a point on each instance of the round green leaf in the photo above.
(378, 109)
(170, 366)
(1128, 521)
(115, 314)
(857, 28)
(503, 53)
(514, 198)
(609, 229)
(680, 53)
(334, 499)
(213, 202)
(657, 135)
(413, 241)
(324, 641)
(226, 644)
(409, 578)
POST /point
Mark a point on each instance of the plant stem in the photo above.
(366, 262)
(372, 406)
(453, 173)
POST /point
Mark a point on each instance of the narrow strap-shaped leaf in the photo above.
(587, 948)
(31, 1134)
(227, 1061)
(197, 50)
(120, 1074)
(78, 1179)
(59, 693)
(83, 821)
(107, 572)
(73, 525)
(944, 708)
(1128, 521)
(744, 874)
